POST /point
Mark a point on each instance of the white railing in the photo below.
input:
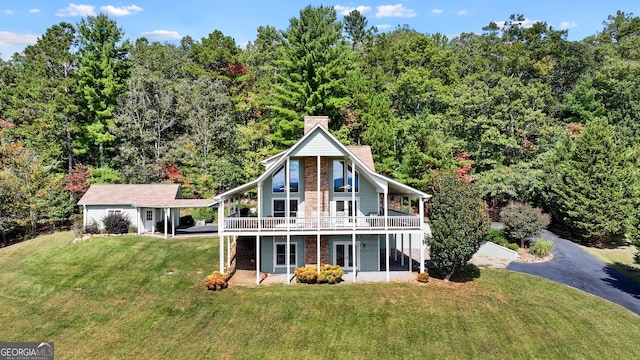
(322, 223)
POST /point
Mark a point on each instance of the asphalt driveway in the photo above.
(575, 267)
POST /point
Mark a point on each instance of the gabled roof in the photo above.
(360, 154)
(140, 195)
(363, 152)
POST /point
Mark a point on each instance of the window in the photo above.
(342, 172)
(294, 178)
(345, 206)
(280, 211)
(149, 215)
(281, 255)
(112, 212)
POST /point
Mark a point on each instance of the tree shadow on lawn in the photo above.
(619, 281)
(464, 274)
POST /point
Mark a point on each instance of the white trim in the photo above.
(275, 254)
(355, 261)
(286, 206)
(333, 206)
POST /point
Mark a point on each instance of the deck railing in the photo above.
(375, 222)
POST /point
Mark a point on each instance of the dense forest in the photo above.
(521, 111)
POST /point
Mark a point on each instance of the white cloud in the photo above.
(34, 11)
(76, 10)
(345, 10)
(565, 25)
(12, 39)
(462, 12)
(8, 12)
(437, 11)
(161, 35)
(527, 23)
(397, 10)
(120, 11)
(383, 26)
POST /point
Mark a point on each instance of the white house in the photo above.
(144, 204)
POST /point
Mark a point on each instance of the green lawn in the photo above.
(619, 258)
(140, 297)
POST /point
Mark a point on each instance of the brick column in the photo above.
(310, 254)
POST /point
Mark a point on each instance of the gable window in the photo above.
(294, 178)
(281, 254)
(279, 207)
(343, 179)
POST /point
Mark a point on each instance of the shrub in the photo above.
(496, 236)
(423, 277)
(636, 257)
(459, 221)
(329, 274)
(216, 281)
(522, 221)
(206, 214)
(92, 229)
(187, 220)
(541, 248)
(116, 223)
(513, 246)
(160, 226)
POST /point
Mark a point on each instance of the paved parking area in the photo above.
(575, 267)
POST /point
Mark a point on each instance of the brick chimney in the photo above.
(311, 121)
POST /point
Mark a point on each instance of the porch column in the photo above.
(287, 207)
(84, 216)
(422, 234)
(318, 203)
(386, 229)
(165, 223)
(257, 259)
(318, 250)
(259, 207)
(387, 255)
(287, 253)
(355, 254)
(173, 223)
(410, 255)
(221, 233)
(228, 251)
(353, 200)
(138, 220)
(401, 249)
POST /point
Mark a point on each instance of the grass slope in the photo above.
(130, 297)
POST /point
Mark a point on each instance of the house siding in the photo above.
(95, 213)
(267, 249)
(317, 143)
(369, 250)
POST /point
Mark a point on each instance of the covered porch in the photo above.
(167, 214)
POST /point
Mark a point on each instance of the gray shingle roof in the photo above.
(140, 195)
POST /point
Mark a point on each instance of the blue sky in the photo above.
(22, 22)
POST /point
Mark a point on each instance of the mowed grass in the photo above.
(620, 258)
(141, 297)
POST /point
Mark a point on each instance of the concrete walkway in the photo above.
(575, 267)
